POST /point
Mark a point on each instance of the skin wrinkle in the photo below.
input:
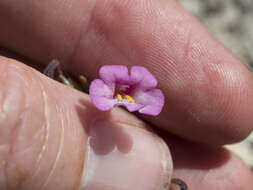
(59, 151)
(26, 107)
(45, 114)
(46, 127)
(37, 170)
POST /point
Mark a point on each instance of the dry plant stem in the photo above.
(54, 71)
(180, 183)
(54, 66)
(50, 69)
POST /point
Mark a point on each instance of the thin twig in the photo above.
(180, 183)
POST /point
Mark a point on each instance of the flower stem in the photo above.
(54, 71)
(180, 183)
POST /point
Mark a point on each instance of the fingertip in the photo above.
(121, 154)
(61, 138)
(32, 131)
(208, 92)
(210, 168)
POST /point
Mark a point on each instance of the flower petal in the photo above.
(141, 76)
(99, 88)
(131, 107)
(153, 101)
(103, 103)
(101, 95)
(112, 74)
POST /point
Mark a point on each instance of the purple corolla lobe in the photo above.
(135, 90)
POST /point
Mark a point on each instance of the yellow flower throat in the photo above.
(124, 96)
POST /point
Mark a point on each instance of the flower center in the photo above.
(122, 93)
(124, 96)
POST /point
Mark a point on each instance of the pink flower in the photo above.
(135, 90)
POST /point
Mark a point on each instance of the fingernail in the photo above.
(123, 157)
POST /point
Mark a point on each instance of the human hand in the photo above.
(44, 125)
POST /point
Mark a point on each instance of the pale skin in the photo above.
(44, 125)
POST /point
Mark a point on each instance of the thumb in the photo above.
(51, 137)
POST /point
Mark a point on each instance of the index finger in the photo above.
(208, 92)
